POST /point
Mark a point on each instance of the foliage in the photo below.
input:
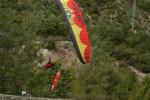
(40, 84)
(104, 80)
(22, 23)
(25, 23)
(144, 4)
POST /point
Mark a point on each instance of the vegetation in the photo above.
(113, 39)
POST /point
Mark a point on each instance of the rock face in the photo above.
(63, 52)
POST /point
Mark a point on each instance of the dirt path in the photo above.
(139, 74)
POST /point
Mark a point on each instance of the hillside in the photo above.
(31, 31)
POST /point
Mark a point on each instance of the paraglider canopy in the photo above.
(77, 28)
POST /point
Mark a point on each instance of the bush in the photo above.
(144, 4)
(41, 83)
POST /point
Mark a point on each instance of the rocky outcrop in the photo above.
(63, 52)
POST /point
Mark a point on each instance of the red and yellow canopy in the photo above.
(77, 28)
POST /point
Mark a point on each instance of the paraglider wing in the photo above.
(77, 28)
